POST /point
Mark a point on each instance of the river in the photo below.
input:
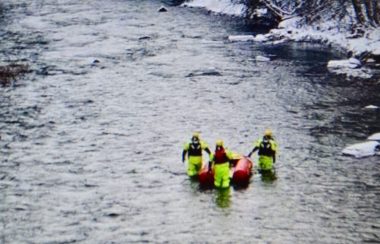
(91, 139)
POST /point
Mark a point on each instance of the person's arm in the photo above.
(210, 162)
(253, 150)
(184, 152)
(205, 147)
(184, 155)
(274, 147)
(230, 156)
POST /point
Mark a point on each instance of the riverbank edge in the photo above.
(365, 48)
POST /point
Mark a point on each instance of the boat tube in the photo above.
(241, 173)
(206, 177)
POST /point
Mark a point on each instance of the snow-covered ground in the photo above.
(290, 29)
(370, 147)
(218, 6)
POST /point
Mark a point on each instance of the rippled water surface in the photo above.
(91, 139)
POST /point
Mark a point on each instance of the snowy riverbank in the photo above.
(365, 49)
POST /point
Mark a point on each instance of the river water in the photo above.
(91, 139)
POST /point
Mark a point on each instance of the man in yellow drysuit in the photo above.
(267, 149)
(221, 159)
(193, 149)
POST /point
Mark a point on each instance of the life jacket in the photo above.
(220, 156)
(265, 148)
(195, 149)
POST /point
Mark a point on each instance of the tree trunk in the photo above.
(358, 11)
(369, 12)
(376, 11)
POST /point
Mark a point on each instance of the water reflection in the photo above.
(268, 176)
(223, 198)
(194, 183)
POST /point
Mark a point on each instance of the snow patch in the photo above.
(218, 6)
(244, 38)
(374, 137)
(261, 38)
(262, 59)
(363, 149)
(260, 12)
(241, 38)
(349, 67)
(371, 107)
(289, 23)
(363, 73)
(351, 63)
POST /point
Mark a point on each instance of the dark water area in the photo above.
(91, 139)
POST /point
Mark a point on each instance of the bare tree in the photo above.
(367, 12)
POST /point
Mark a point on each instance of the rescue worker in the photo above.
(267, 149)
(193, 149)
(221, 160)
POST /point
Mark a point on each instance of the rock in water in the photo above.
(262, 59)
(371, 107)
(363, 149)
(375, 137)
(241, 38)
(162, 9)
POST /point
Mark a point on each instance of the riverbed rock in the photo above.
(162, 9)
(260, 58)
(205, 72)
(9, 73)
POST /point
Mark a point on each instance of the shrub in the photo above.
(9, 73)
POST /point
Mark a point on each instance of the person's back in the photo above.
(221, 160)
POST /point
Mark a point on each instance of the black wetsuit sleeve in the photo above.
(208, 150)
(184, 155)
(253, 150)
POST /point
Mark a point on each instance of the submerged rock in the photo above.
(206, 72)
(144, 38)
(9, 73)
(162, 9)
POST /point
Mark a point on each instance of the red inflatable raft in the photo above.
(206, 177)
(241, 173)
